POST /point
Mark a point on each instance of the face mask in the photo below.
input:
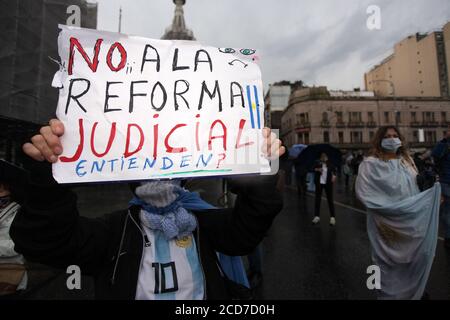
(158, 193)
(391, 144)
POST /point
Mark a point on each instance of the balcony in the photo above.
(356, 124)
(340, 124)
(426, 144)
(325, 124)
(303, 125)
(351, 145)
(430, 124)
(371, 124)
(416, 124)
(445, 124)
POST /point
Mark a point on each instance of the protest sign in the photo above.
(138, 109)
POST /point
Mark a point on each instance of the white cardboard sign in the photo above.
(138, 109)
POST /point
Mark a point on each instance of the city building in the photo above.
(29, 38)
(178, 30)
(447, 48)
(419, 67)
(275, 101)
(349, 121)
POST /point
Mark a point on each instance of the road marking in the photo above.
(346, 206)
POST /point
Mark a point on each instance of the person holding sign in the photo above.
(135, 107)
(162, 247)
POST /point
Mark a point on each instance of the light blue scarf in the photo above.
(175, 220)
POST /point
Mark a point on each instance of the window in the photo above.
(303, 138)
(444, 116)
(370, 116)
(371, 135)
(398, 118)
(416, 136)
(413, 117)
(430, 136)
(304, 118)
(300, 138)
(355, 117)
(428, 116)
(325, 117)
(386, 117)
(356, 137)
(341, 137)
(339, 117)
(306, 138)
(326, 137)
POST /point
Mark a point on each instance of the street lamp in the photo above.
(395, 97)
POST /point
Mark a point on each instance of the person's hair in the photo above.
(376, 149)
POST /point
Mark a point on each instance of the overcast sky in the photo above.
(322, 42)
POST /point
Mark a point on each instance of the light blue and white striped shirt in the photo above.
(170, 270)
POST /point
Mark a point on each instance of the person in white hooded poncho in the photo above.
(402, 222)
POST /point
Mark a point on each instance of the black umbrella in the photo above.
(312, 153)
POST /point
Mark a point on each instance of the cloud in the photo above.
(323, 42)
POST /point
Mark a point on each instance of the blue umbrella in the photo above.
(296, 149)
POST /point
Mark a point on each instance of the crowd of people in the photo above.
(168, 244)
(403, 192)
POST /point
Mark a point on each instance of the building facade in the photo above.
(419, 67)
(446, 32)
(349, 121)
(276, 101)
(29, 37)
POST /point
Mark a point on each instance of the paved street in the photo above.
(301, 261)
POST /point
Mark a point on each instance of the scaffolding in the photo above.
(28, 38)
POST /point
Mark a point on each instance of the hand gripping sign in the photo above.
(138, 109)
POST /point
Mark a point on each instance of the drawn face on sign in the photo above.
(227, 50)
